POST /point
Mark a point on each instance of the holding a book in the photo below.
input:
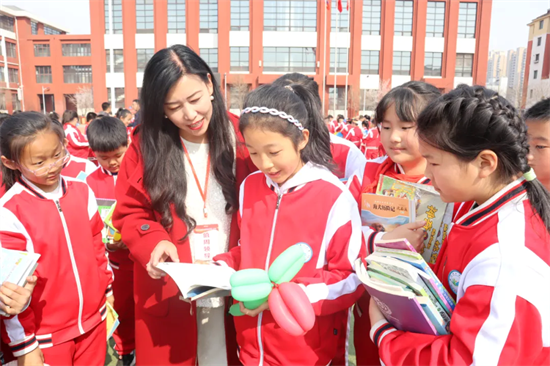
(497, 254)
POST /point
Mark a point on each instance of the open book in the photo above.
(16, 266)
(384, 213)
(199, 281)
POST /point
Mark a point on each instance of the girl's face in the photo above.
(127, 119)
(274, 154)
(42, 161)
(188, 106)
(399, 140)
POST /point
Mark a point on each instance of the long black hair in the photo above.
(409, 100)
(317, 127)
(18, 131)
(294, 100)
(164, 165)
(468, 120)
(69, 115)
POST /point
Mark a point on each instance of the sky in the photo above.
(508, 21)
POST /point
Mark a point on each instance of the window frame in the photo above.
(238, 65)
(368, 70)
(463, 57)
(283, 62)
(76, 49)
(145, 16)
(403, 18)
(211, 57)
(176, 20)
(402, 56)
(7, 22)
(241, 17)
(42, 50)
(370, 14)
(433, 56)
(208, 16)
(79, 74)
(11, 50)
(43, 74)
(342, 65)
(336, 18)
(464, 14)
(145, 55)
(291, 18)
(118, 57)
(437, 20)
(13, 73)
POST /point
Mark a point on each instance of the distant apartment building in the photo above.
(496, 67)
(516, 71)
(41, 67)
(537, 70)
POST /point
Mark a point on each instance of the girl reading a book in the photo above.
(56, 217)
(497, 254)
(294, 198)
(396, 116)
(176, 200)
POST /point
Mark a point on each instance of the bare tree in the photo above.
(371, 97)
(354, 100)
(238, 91)
(539, 92)
(84, 100)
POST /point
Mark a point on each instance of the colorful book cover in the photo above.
(383, 213)
(428, 207)
(106, 208)
(112, 321)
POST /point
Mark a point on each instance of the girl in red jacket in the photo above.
(497, 256)
(294, 198)
(57, 217)
(77, 142)
(178, 180)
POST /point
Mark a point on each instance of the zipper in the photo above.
(73, 263)
(260, 316)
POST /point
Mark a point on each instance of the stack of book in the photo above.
(405, 288)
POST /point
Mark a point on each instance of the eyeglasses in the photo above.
(46, 169)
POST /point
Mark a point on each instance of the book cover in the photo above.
(384, 213)
(112, 321)
(16, 266)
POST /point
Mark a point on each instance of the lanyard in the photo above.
(205, 192)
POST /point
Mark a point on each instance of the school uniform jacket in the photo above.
(78, 143)
(77, 165)
(370, 144)
(497, 264)
(354, 135)
(347, 157)
(314, 208)
(73, 277)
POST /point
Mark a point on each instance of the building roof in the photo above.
(540, 17)
(18, 12)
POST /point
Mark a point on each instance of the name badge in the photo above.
(206, 243)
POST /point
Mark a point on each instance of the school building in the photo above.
(537, 69)
(373, 45)
(41, 67)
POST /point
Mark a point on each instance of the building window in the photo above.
(7, 22)
(143, 57)
(403, 18)
(337, 95)
(15, 102)
(10, 50)
(290, 15)
(467, 20)
(77, 74)
(531, 93)
(371, 17)
(537, 58)
(401, 63)
(119, 98)
(41, 50)
(435, 21)
(289, 59)
(370, 62)
(176, 16)
(2, 77)
(43, 74)
(535, 74)
(118, 58)
(76, 49)
(208, 16)
(50, 31)
(541, 24)
(464, 64)
(117, 17)
(239, 59)
(240, 13)
(432, 63)
(340, 59)
(210, 56)
(339, 22)
(539, 41)
(34, 27)
(145, 18)
(2, 101)
(13, 75)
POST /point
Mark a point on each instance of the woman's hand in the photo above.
(255, 312)
(13, 298)
(374, 313)
(161, 253)
(413, 232)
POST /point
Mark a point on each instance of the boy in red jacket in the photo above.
(109, 142)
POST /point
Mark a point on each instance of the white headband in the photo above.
(275, 112)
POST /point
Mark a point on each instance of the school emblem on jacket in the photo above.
(454, 280)
(308, 252)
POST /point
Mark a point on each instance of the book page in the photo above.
(16, 265)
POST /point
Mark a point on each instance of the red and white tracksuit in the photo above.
(347, 157)
(370, 144)
(69, 300)
(313, 207)
(77, 165)
(130, 132)
(102, 182)
(497, 263)
(333, 126)
(78, 143)
(354, 135)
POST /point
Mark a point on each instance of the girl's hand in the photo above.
(13, 298)
(413, 232)
(111, 300)
(374, 313)
(255, 312)
(116, 245)
(161, 253)
(33, 358)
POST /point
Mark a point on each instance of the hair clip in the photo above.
(530, 175)
(274, 112)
